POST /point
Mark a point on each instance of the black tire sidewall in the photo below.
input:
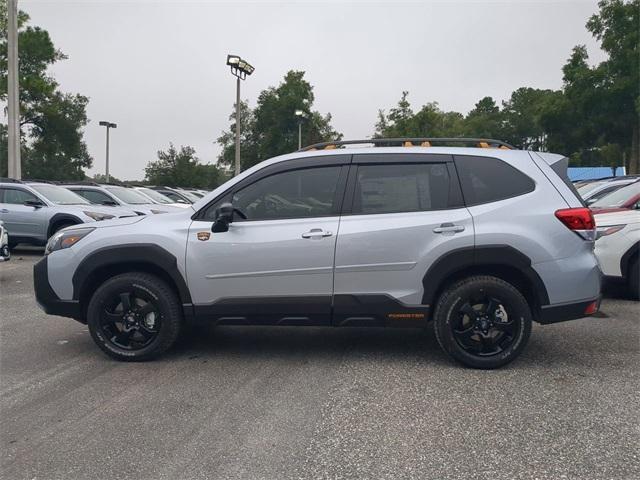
(165, 299)
(454, 297)
(634, 279)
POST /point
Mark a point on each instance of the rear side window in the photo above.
(397, 188)
(486, 179)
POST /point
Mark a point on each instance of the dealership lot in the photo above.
(253, 402)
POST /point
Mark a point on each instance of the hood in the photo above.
(621, 217)
(116, 222)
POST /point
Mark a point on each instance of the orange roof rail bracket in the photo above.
(483, 145)
(504, 147)
(407, 144)
(330, 147)
(425, 144)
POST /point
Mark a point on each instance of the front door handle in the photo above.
(448, 228)
(316, 233)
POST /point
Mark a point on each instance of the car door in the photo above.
(275, 267)
(22, 220)
(401, 213)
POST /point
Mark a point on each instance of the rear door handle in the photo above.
(448, 228)
(316, 233)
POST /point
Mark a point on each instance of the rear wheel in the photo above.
(482, 322)
(134, 316)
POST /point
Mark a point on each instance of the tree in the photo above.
(601, 105)
(272, 127)
(181, 168)
(51, 121)
(485, 120)
(523, 117)
(429, 121)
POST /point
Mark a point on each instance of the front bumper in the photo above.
(47, 298)
(568, 311)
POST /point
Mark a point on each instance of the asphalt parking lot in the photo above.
(278, 403)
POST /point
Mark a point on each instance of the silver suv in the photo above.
(33, 211)
(482, 241)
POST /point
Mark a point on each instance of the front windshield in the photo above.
(129, 195)
(588, 188)
(156, 196)
(619, 197)
(59, 195)
(189, 195)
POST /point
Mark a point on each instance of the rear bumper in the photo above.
(47, 298)
(568, 311)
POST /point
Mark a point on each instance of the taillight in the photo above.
(579, 220)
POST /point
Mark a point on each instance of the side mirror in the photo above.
(109, 203)
(224, 216)
(34, 203)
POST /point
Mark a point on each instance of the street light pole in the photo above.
(300, 114)
(108, 125)
(237, 162)
(240, 69)
(13, 105)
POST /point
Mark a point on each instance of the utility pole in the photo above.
(108, 125)
(13, 92)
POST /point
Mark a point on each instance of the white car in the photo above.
(618, 247)
(5, 253)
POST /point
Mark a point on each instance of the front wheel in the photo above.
(482, 322)
(134, 316)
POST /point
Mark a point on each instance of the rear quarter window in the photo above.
(487, 179)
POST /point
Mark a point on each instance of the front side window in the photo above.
(304, 193)
(15, 196)
(396, 188)
(486, 179)
(95, 197)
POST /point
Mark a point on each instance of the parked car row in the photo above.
(33, 211)
(615, 203)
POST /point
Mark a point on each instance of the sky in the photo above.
(157, 68)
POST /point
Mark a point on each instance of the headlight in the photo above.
(66, 239)
(158, 211)
(611, 229)
(99, 216)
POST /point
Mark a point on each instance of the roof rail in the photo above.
(9, 180)
(38, 180)
(410, 142)
(77, 182)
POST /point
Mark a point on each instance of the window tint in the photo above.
(294, 194)
(401, 188)
(486, 179)
(17, 197)
(94, 196)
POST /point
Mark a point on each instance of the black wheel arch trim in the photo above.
(626, 258)
(139, 253)
(61, 217)
(458, 260)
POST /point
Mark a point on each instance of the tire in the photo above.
(150, 329)
(633, 282)
(482, 322)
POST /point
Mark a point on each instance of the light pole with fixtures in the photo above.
(108, 125)
(300, 114)
(240, 69)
